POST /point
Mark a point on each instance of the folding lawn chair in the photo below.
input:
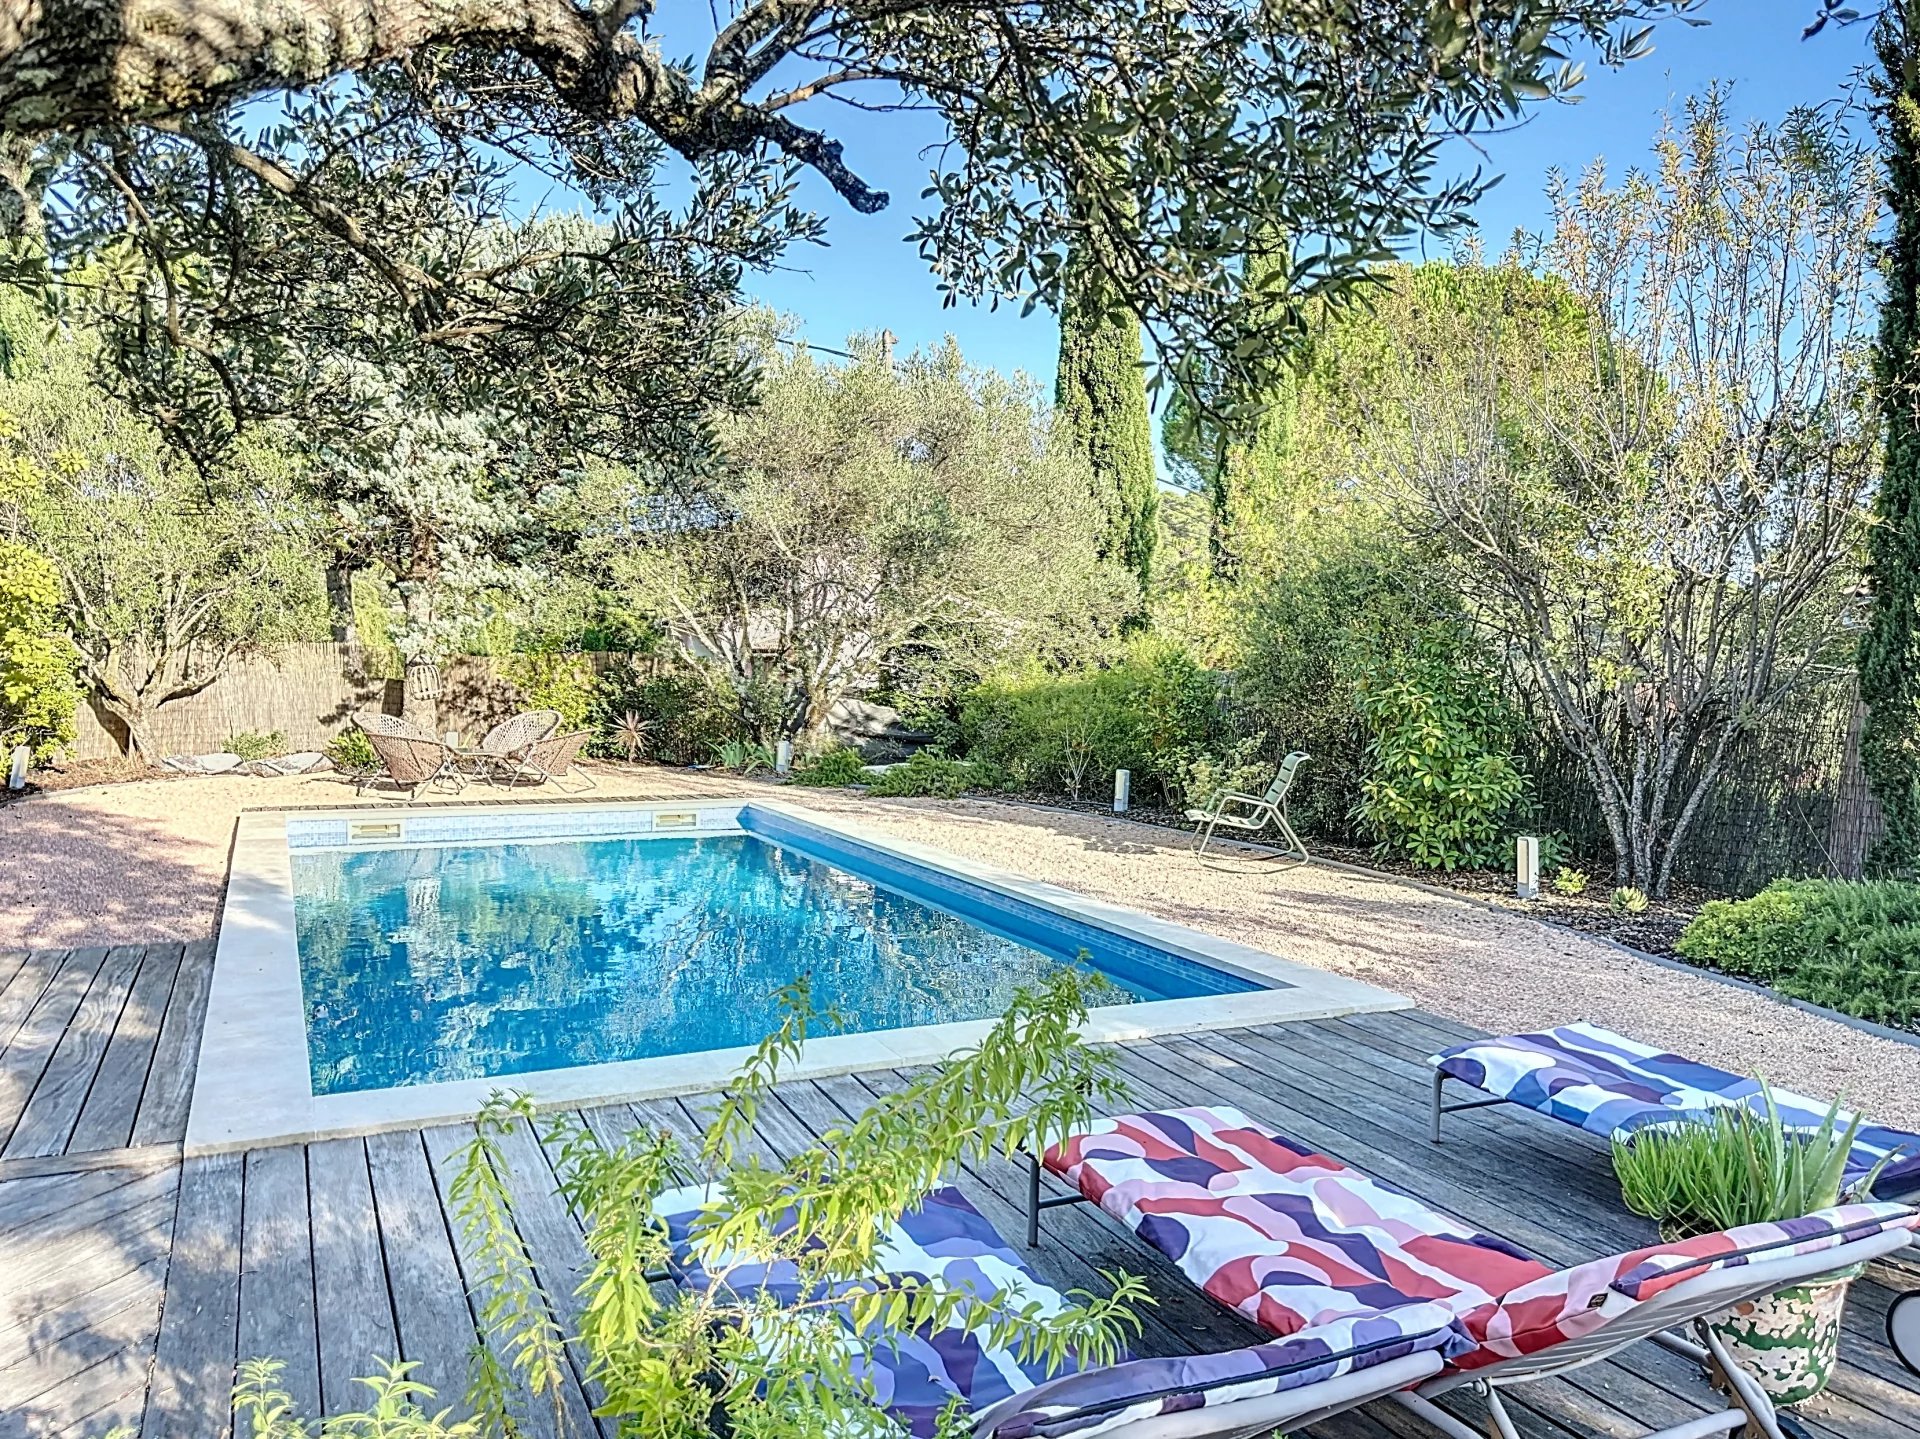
(1251, 814)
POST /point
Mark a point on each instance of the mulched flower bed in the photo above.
(82, 773)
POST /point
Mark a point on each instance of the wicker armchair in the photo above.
(504, 749)
(554, 758)
(410, 756)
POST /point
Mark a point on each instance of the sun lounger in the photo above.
(1608, 1084)
(1292, 1239)
(1321, 1370)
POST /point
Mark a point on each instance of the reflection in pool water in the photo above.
(456, 963)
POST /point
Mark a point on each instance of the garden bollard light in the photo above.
(1122, 789)
(783, 757)
(17, 771)
(1526, 867)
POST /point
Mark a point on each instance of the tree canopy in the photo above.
(187, 142)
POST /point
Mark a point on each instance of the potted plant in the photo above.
(1740, 1165)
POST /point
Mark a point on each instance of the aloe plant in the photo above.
(1736, 1165)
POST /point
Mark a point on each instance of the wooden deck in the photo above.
(130, 1283)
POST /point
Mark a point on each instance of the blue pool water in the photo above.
(494, 959)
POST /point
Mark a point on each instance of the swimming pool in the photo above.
(385, 967)
(460, 961)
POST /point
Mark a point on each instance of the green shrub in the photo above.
(1569, 881)
(1628, 900)
(38, 694)
(252, 744)
(743, 756)
(1154, 714)
(1439, 778)
(554, 680)
(682, 715)
(352, 751)
(841, 766)
(1851, 945)
(927, 774)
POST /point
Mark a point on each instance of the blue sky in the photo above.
(869, 277)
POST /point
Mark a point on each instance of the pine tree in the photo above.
(1890, 648)
(1101, 396)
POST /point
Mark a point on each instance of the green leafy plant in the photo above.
(1847, 944)
(1439, 778)
(1735, 1166)
(743, 756)
(1153, 714)
(682, 713)
(926, 774)
(351, 751)
(1628, 900)
(552, 680)
(1569, 881)
(839, 766)
(683, 1363)
(257, 744)
(38, 691)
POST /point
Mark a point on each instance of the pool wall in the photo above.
(254, 1083)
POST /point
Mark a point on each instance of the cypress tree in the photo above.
(1890, 648)
(1101, 397)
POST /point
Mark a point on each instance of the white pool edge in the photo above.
(254, 1088)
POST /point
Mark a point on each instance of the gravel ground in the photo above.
(141, 862)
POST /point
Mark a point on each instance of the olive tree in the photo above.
(1657, 501)
(190, 140)
(868, 509)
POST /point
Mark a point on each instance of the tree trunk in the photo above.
(417, 706)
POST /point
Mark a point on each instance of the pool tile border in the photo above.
(254, 1086)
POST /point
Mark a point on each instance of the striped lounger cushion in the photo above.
(915, 1377)
(1291, 1238)
(1607, 1084)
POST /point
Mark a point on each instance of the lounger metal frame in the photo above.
(1686, 1303)
(1261, 811)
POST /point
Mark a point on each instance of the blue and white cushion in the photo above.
(1609, 1084)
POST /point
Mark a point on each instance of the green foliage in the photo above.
(1628, 900)
(1889, 657)
(1100, 400)
(1440, 779)
(692, 1363)
(1154, 713)
(38, 692)
(841, 765)
(743, 757)
(1569, 881)
(926, 774)
(871, 511)
(352, 751)
(255, 744)
(1850, 945)
(683, 715)
(553, 680)
(1736, 1166)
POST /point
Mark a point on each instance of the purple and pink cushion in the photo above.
(915, 1377)
(1608, 1084)
(1292, 1239)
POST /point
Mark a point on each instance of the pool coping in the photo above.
(254, 1087)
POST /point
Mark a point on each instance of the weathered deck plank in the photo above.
(194, 1357)
(106, 1120)
(23, 990)
(335, 1255)
(26, 1058)
(162, 1117)
(53, 1109)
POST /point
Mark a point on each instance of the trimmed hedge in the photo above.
(1851, 945)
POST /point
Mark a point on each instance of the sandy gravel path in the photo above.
(144, 862)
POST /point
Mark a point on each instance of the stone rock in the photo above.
(203, 763)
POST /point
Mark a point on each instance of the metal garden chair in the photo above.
(1250, 813)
